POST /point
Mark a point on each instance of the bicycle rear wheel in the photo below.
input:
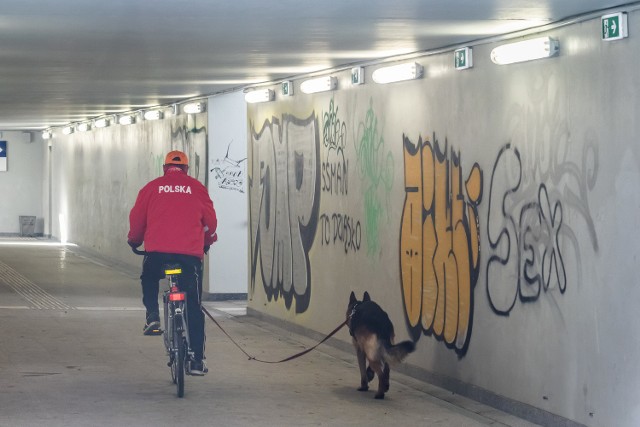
(172, 365)
(178, 363)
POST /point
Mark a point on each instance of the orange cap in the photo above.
(176, 158)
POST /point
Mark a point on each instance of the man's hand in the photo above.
(214, 238)
(134, 245)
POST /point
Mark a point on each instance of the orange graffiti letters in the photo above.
(439, 242)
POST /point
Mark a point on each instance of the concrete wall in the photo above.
(96, 176)
(492, 212)
(21, 184)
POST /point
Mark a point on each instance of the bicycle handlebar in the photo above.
(138, 252)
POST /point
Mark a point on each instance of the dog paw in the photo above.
(364, 388)
(370, 374)
(379, 396)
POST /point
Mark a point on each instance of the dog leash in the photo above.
(302, 353)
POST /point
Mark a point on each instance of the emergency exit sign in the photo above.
(287, 88)
(463, 58)
(614, 26)
(3, 156)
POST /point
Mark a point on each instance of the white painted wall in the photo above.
(228, 270)
(21, 184)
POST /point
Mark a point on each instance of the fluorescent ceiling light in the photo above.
(46, 134)
(34, 243)
(398, 73)
(193, 107)
(83, 127)
(127, 119)
(259, 95)
(321, 84)
(102, 123)
(527, 50)
(153, 115)
(67, 130)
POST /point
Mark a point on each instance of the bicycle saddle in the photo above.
(173, 268)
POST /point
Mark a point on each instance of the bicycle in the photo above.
(176, 329)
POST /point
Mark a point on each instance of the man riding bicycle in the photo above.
(175, 219)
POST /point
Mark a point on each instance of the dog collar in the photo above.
(353, 312)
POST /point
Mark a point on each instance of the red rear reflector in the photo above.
(177, 296)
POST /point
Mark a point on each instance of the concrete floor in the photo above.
(72, 354)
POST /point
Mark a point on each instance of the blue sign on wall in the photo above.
(3, 156)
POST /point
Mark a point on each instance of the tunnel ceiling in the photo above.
(70, 60)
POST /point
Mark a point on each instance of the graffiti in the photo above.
(537, 195)
(284, 183)
(186, 137)
(335, 168)
(157, 161)
(335, 176)
(376, 169)
(341, 228)
(334, 131)
(526, 232)
(337, 228)
(229, 173)
(439, 243)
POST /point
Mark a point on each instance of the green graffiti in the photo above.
(376, 170)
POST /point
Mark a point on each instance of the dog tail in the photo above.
(398, 352)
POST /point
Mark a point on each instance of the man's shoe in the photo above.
(152, 325)
(198, 368)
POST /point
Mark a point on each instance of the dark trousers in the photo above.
(190, 281)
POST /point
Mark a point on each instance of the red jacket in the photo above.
(173, 214)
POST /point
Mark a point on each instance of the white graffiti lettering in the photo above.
(174, 189)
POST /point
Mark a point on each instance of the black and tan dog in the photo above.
(373, 335)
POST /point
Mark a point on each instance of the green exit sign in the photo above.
(357, 75)
(463, 58)
(287, 88)
(614, 26)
